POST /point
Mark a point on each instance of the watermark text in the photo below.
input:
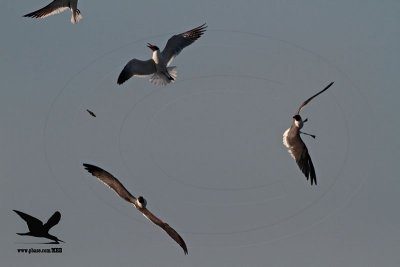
(39, 250)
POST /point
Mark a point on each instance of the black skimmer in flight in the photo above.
(296, 147)
(37, 228)
(139, 202)
(158, 65)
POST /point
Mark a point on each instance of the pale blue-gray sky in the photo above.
(206, 151)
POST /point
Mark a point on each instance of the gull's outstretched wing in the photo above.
(170, 231)
(311, 98)
(53, 220)
(136, 67)
(55, 7)
(110, 181)
(177, 42)
(305, 164)
(298, 150)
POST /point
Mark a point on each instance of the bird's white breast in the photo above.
(286, 143)
(157, 57)
(284, 139)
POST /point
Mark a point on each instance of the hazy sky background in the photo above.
(206, 152)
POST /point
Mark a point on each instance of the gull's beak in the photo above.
(152, 47)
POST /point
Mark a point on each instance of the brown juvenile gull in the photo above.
(139, 203)
(296, 147)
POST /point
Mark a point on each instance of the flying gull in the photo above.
(58, 6)
(158, 65)
(139, 202)
(296, 147)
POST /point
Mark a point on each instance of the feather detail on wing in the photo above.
(177, 42)
(112, 182)
(136, 67)
(305, 164)
(55, 7)
(170, 231)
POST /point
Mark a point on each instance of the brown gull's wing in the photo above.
(112, 182)
(311, 98)
(298, 150)
(170, 231)
(306, 165)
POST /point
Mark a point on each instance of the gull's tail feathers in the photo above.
(161, 79)
(76, 16)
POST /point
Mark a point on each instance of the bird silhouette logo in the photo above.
(38, 229)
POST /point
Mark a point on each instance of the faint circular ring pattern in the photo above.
(149, 124)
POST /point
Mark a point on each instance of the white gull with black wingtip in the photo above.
(296, 147)
(158, 66)
(139, 202)
(56, 7)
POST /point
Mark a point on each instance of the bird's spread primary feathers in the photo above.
(158, 66)
(113, 183)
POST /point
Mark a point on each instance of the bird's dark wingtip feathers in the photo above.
(185, 250)
(202, 28)
(31, 15)
(313, 176)
(196, 33)
(315, 181)
(88, 167)
(122, 78)
(183, 245)
(326, 87)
